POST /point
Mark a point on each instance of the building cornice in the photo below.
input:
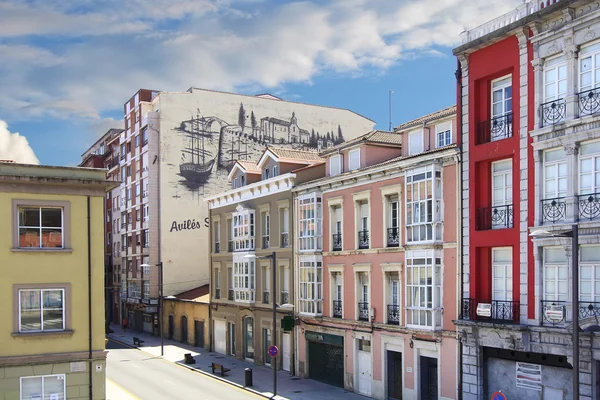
(277, 184)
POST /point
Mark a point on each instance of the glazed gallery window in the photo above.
(41, 227)
(423, 204)
(424, 290)
(311, 285)
(243, 278)
(243, 230)
(249, 338)
(48, 387)
(41, 310)
(310, 214)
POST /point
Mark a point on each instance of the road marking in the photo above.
(168, 381)
(115, 391)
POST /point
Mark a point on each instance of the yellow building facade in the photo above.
(186, 317)
(52, 282)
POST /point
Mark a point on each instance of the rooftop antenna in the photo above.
(390, 108)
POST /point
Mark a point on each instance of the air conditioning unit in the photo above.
(554, 313)
(484, 310)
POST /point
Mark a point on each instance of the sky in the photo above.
(67, 66)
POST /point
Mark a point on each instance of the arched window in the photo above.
(249, 337)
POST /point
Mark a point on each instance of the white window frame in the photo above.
(425, 229)
(41, 227)
(501, 86)
(552, 79)
(594, 276)
(310, 293)
(42, 378)
(424, 262)
(41, 309)
(244, 278)
(243, 228)
(593, 157)
(591, 52)
(555, 273)
(353, 164)
(555, 173)
(416, 142)
(506, 267)
(310, 222)
(146, 289)
(335, 160)
(507, 188)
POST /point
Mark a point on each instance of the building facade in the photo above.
(52, 237)
(186, 317)
(249, 222)
(376, 263)
(527, 90)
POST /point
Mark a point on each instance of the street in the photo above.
(132, 374)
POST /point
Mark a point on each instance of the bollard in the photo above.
(248, 377)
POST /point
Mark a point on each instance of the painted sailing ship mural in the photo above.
(196, 162)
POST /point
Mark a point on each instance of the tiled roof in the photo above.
(373, 137)
(249, 167)
(446, 112)
(194, 294)
(311, 157)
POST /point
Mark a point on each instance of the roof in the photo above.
(200, 294)
(310, 157)
(250, 167)
(373, 137)
(277, 121)
(446, 112)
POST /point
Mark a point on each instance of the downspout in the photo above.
(89, 251)
(459, 129)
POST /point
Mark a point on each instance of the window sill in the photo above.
(66, 332)
(40, 250)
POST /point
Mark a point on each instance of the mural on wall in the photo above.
(211, 145)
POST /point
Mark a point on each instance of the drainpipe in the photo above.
(89, 251)
(459, 123)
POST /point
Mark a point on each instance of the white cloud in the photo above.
(15, 147)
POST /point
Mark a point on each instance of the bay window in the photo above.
(423, 204)
(243, 278)
(310, 214)
(424, 290)
(243, 229)
(310, 298)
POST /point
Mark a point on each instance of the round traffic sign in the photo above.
(273, 351)
(498, 396)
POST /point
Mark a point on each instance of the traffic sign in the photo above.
(498, 396)
(273, 351)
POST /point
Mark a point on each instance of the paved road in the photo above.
(132, 374)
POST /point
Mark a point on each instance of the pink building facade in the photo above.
(377, 263)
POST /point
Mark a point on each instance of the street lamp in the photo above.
(574, 235)
(160, 304)
(273, 257)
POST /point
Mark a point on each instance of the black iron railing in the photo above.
(499, 310)
(285, 240)
(217, 247)
(363, 311)
(553, 112)
(588, 102)
(363, 239)
(554, 312)
(497, 217)
(587, 309)
(230, 246)
(554, 210)
(285, 297)
(393, 237)
(266, 296)
(230, 294)
(336, 242)
(497, 128)
(265, 242)
(393, 314)
(589, 206)
(217, 293)
(337, 309)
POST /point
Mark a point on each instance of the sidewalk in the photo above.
(288, 387)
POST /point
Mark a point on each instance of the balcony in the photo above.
(363, 311)
(497, 217)
(363, 239)
(265, 242)
(285, 297)
(336, 242)
(393, 237)
(498, 311)
(497, 128)
(230, 246)
(588, 102)
(217, 247)
(285, 239)
(589, 206)
(265, 297)
(393, 314)
(553, 112)
(559, 313)
(336, 309)
(123, 225)
(230, 294)
(554, 210)
(217, 293)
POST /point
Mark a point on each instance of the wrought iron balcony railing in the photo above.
(497, 217)
(589, 206)
(265, 242)
(230, 294)
(393, 314)
(497, 128)
(495, 310)
(265, 297)
(553, 112)
(363, 311)
(554, 210)
(336, 242)
(588, 309)
(554, 312)
(337, 309)
(217, 293)
(230, 246)
(588, 102)
(217, 247)
(285, 240)
(285, 297)
(393, 237)
(363, 239)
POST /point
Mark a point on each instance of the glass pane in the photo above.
(585, 272)
(31, 388)
(53, 309)
(562, 88)
(29, 217)
(562, 72)
(51, 237)
(29, 237)
(497, 109)
(586, 80)
(586, 287)
(30, 310)
(590, 253)
(555, 255)
(54, 387)
(586, 64)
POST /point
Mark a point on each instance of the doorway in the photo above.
(364, 367)
(286, 351)
(184, 329)
(428, 378)
(199, 333)
(394, 375)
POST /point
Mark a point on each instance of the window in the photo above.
(40, 226)
(135, 290)
(275, 170)
(145, 212)
(243, 230)
(128, 170)
(335, 166)
(123, 174)
(266, 226)
(423, 286)
(266, 344)
(311, 281)
(266, 173)
(502, 96)
(243, 278)
(218, 279)
(423, 204)
(336, 228)
(41, 310)
(589, 67)
(217, 235)
(363, 225)
(284, 225)
(137, 190)
(589, 168)
(444, 135)
(43, 387)
(146, 238)
(502, 274)
(556, 274)
(353, 159)
(123, 151)
(310, 222)
(502, 183)
(137, 141)
(589, 273)
(393, 225)
(415, 142)
(144, 137)
(249, 338)
(146, 289)
(555, 79)
(555, 174)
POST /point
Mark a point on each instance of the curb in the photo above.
(237, 385)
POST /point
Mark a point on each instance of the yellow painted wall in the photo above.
(193, 311)
(27, 267)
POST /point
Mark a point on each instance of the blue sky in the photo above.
(67, 66)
